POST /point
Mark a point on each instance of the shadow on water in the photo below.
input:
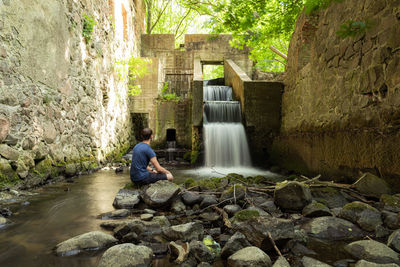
(58, 213)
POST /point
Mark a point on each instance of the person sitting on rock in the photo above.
(141, 173)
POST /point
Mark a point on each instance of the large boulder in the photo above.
(394, 240)
(86, 242)
(332, 228)
(8, 152)
(250, 256)
(235, 243)
(126, 255)
(256, 230)
(310, 262)
(126, 199)
(372, 185)
(373, 251)
(292, 196)
(184, 232)
(366, 216)
(160, 193)
(391, 220)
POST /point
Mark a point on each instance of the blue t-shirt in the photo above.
(141, 155)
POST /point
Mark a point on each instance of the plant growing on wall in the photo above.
(88, 27)
(165, 95)
(353, 28)
(131, 70)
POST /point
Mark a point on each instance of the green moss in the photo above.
(357, 206)
(390, 200)
(131, 185)
(190, 182)
(193, 157)
(235, 187)
(245, 215)
(44, 168)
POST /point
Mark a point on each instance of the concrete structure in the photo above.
(182, 69)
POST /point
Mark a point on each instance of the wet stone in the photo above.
(208, 201)
(116, 214)
(130, 238)
(126, 199)
(201, 251)
(126, 255)
(391, 220)
(121, 231)
(372, 185)
(366, 216)
(184, 232)
(250, 256)
(292, 196)
(310, 262)
(191, 199)
(146, 217)
(394, 240)
(316, 209)
(235, 243)
(231, 209)
(160, 193)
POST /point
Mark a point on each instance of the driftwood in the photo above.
(273, 243)
(225, 217)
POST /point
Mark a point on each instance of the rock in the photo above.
(126, 255)
(381, 232)
(372, 185)
(332, 228)
(256, 230)
(208, 201)
(86, 242)
(281, 262)
(121, 231)
(146, 217)
(4, 222)
(160, 193)
(316, 209)
(329, 196)
(394, 240)
(40, 151)
(261, 212)
(49, 133)
(139, 226)
(391, 220)
(292, 196)
(391, 202)
(210, 216)
(270, 207)
(8, 152)
(179, 252)
(149, 211)
(130, 238)
(126, 199)
(4, 128)
(231, 209)
(250, 256)
(235, 243)
(366, 216)
(191, 199)
(70, 169)
(373, 251)
(184, 232)
(5, 212)
(363, 263)
(204, 264)
(201, 251)
(115, 214)
(310, 262)
(159, 249)
(178, 206)
(214, 232)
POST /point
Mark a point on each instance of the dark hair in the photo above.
(146, 134)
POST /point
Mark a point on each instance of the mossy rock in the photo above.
(391, 202)
(245, 215)
(190, 182)
(44, 168)
(236, 190)
(131, 186)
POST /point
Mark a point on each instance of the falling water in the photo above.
(224, 135)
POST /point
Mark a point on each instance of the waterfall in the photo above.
(224, 135)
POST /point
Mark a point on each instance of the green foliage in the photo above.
(353, 28)
(190, 182)
(88, 27)
(315, 5)
(166, 95)
(213, 72)
(187, 156)
(194, 156)
(131, 70)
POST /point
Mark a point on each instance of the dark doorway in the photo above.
(139, 121)
(171, 135)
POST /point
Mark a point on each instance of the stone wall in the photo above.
(63, 107)
(341, 105)
(261, 108)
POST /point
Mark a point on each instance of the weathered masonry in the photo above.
(182, 70)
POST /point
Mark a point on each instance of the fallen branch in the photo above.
(225, 218)
(273, 243)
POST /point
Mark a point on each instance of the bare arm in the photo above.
(158, 167)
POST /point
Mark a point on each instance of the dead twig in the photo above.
(225, 218)
(273, 243)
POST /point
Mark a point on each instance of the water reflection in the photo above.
(58, 213)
